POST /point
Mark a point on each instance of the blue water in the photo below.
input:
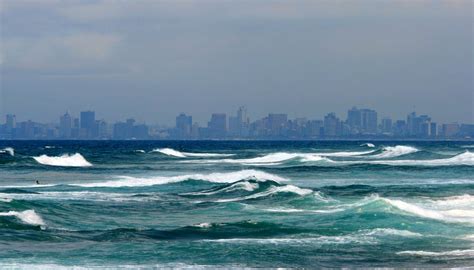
(236, 204)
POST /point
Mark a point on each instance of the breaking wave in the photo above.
(466, 158)
(76, 160)
(230, 177)
(371, 145)
(463, 252)
(395, 151)
(272, 190)
(8, 150)
(28, 216)
(176, 153)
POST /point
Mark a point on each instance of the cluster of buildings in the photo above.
(359, 124)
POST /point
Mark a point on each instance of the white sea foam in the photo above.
(456, 253)
(244, 185)
(345, 154)
(176, 153)
(49, 147)
(391, 232)
(8, 150)
(466, 158)
(272, 190)
(371, 145)
(430, 211)
(273, 159)
(229, 177)
(7, 200)
(395, 151)
(27, 216)
(76, 160)
(140, 151)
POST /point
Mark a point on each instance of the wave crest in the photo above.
(8, 150)
(395, 151)
(76, 160)
(28, 216)
(176, 153)
(230, 177)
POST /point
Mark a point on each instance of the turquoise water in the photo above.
(236, 204)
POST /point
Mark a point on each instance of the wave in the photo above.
(139, 151)
(451, 215)
(8, 150)
(466, 158)
(230, 177)
(459, 252)
(176, 153)
(271, 191)
(76, 160)
(49, 147)
(371, 145)
(28, 216)
(360, 237)
(395, 151)
(273, 159)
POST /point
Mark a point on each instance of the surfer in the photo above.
(37, 182)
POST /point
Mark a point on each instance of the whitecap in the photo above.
(139, 151)
(466, 158)
(27, 216)
(459, 252)
(395, 151)
(8, 150)
(76, 160)
(229, 177)
(176, 153)
(270, 191)
(371, 145)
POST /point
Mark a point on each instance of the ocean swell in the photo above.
(76, 160)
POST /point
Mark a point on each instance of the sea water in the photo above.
(223, 204)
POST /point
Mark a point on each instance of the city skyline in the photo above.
(357, 123)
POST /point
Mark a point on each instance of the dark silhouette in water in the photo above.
(37, 182)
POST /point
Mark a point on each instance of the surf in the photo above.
(28, 217)
(76, 160)
(227, 177)
(176, 153)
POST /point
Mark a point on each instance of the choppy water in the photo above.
(236, 204)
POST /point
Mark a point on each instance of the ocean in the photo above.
(236, 204)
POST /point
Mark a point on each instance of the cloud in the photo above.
(58, 52)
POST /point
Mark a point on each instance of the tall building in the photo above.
(239, 124)
(10, 123)
(184, 125)
(88, 124)
(217, 126)
(386, 125)
(368, 121)
(277, 123)
(354, 120)
(65, 126)
(332, 125)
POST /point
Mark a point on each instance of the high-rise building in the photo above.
(65, 126)
(10, 123)
(332, 125)
(88, 124)
(369, 121)
(277, 123)
(184, 125)
(386, 125)
(217, 126)
(354, 120)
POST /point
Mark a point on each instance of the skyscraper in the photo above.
(87, 124)
(184, 125)
(332, 125)
(369, 121)
(65, 126)
(277, 123)
(217, 126)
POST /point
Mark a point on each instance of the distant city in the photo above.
(358, 124)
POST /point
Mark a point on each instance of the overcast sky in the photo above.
(154, 59)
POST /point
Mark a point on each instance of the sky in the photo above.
(152, 60)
